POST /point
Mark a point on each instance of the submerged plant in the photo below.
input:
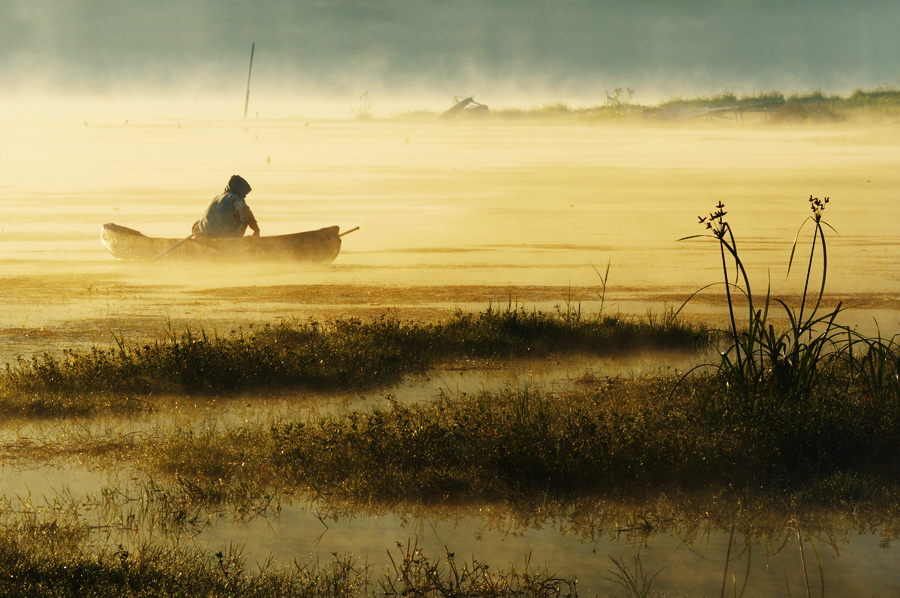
(635, 583)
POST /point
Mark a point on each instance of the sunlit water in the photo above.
(457, 216)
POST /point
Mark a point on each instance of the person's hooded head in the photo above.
(238, 186)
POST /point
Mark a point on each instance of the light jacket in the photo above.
(227, 215)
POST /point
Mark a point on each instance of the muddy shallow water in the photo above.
(458, 216)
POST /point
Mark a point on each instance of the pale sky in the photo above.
(553, 50)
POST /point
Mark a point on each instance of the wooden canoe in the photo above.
(317, 246)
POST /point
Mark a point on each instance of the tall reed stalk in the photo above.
(759, 357)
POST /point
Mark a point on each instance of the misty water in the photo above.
(452, 216)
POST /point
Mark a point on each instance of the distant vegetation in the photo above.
(879, 104)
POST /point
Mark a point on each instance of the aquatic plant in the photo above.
(758, 357)
(366, 108)
(53, 553)
(419, 575)
(635, 583)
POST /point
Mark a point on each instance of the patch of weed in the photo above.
(338, 355)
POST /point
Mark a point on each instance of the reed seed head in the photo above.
(817, 206)
(715, 221)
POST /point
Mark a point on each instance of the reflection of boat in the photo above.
(317, 246)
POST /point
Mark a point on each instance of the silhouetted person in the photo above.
(228, 215)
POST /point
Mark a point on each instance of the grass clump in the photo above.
(814, 354)
(618, 439)
(342, 354)
(488, 446)
(54, 557)
(515, 444)
(789, 361)
(53, 553)
(418, 575)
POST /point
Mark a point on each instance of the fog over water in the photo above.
(411, 54)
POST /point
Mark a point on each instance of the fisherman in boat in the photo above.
(228, 215)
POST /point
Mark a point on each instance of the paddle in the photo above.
(348, 232)
(178, 244)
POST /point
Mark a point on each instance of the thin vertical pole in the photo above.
(247, 101)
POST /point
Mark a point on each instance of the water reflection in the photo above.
(687, 545)
(691, 553)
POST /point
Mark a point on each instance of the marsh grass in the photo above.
(53, 557)
(874, 364)
(617, 439)
(337, 355)
(53, 553)
(418, 575)
(815, 396)
(57, 551)
(634, 581)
